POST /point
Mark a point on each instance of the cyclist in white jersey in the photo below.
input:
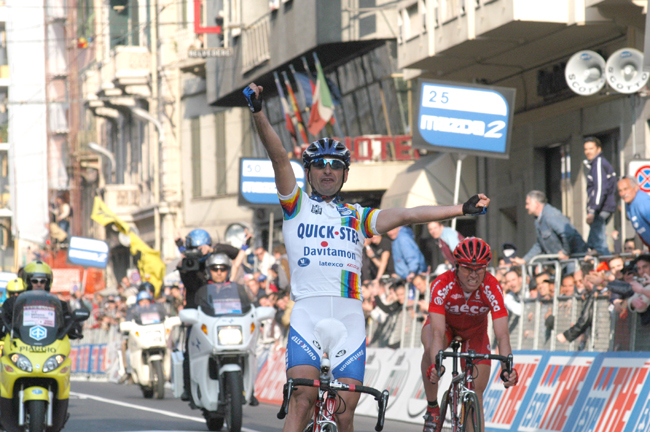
(324, 240)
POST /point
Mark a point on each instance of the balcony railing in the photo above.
(255, 43)
(122, 199)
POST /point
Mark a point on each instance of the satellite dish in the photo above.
(625, 71)
(585, 72)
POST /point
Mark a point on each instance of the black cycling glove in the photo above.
(254, 102)
(469, 208)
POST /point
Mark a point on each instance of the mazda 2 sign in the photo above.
(469, 119)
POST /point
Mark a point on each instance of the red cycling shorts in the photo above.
(478, 341)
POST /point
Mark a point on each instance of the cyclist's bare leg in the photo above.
(345, 420)
(431, 390)
(301, 405)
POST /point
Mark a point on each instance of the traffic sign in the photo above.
(257, 181)
(88, 252)
(640, 169)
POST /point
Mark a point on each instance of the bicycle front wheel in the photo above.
(472, 420)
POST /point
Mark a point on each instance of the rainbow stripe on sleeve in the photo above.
(350, 285)
(291, 206)
(366, 220)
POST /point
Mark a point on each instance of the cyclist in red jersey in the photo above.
(461, 298)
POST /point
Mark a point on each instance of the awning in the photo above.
(430, 181)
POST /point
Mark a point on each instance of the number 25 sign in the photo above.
(466, 118)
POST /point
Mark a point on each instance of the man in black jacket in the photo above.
(584, 322)
(601, 193)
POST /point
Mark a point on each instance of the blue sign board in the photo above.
(257, 181)
(88, 252)
(467, 118)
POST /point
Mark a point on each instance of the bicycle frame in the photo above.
(325, 408)
(461, 385)
(461, 388)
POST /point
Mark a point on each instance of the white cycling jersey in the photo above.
(324, 244)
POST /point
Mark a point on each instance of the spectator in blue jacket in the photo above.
(555, 234)
(637, 205)
(601, 193)
(407, 257)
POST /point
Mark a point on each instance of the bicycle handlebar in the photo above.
(472, 356)
(380, 397)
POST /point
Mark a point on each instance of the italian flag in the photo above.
(322, 110)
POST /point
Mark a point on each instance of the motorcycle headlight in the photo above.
(22, 362)
(53, 363)
(230, 335)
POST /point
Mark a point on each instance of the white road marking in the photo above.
(143, 408)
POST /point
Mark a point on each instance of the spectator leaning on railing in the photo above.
(555, 234)
(407, 256)
(637, 206)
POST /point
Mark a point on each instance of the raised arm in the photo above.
(285, 180)
(392, 218)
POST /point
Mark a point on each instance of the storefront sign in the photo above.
(469, 119)
(257, 181)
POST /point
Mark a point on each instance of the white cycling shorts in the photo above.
(334, 325)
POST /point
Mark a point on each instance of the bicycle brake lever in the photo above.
(383, 403)
(286, 395)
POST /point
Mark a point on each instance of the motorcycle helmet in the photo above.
(196, 238)
(15, 287)
(148, 287)
(218, 259)
(142, 295)
(37, 270)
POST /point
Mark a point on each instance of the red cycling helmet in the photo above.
(473, 252)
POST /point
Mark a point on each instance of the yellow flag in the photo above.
(103, 216)
(151, 267)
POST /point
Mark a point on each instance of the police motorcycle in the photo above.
(35, 363)
(149, 357)
(223, 365)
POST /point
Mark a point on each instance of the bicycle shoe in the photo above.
(432, 421)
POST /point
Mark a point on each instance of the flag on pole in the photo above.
(296, 108)
(104, 216)
(285, 109)
(322, 109)
(151, 267)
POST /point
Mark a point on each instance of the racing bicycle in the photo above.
(326, 404)
(460, 398)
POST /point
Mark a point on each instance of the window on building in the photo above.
(182, 13)
(85, 19)
(222, 166)
(124, 23)
(195, 130)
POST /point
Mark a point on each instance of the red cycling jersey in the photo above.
(466, 317)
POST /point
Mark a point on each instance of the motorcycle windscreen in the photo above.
(223, 299)
(148, 315)
(37, 318)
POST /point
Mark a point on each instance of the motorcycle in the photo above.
(35, 384)
(223, 365)
(147, 346)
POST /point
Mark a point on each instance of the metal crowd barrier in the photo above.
(532, 330)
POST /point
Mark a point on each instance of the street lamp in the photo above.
(108, 155)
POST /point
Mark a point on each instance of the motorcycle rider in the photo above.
(218, 275)
(15, 287)
(37, 275)
(144, 300)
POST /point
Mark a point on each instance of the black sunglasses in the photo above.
(219, 268)
(335, 164)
